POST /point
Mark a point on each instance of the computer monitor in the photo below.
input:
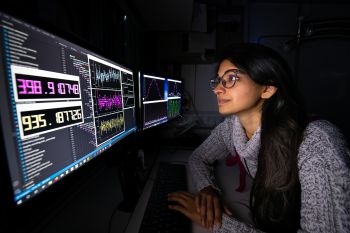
(174, 98)
(61, 105)
(154, 94)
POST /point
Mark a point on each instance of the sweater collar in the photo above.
(247, 149)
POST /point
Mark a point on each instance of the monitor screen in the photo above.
(61, 105)
(154, 100)
(174, 98)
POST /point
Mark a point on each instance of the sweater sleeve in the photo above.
(324, 173)
(201, 162)
(325, 197)
(232, 225)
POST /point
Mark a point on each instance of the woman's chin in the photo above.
(224, 111)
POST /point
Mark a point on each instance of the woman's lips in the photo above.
(222, 101)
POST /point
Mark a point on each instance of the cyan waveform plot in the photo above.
(174, 89)
(154, 89)
(174, 108)
(106, 101)
(109, 126)
(103, 76)
(128, 90)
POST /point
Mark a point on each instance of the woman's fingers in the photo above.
(179, 198)
(182, 194)
(197, 200)
(187, 194)
(209, 206)
(203, 212)
(186, 205)
(217, 212)
(181, 209)
(210, 214)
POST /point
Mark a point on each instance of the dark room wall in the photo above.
(319, 60)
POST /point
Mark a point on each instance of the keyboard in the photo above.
(158, 218)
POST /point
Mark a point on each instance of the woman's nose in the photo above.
(218, 89)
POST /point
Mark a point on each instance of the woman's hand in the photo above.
(186, 205)
(210, 208)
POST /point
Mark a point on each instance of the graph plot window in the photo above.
(61, 105)
(154, 101)
(174, 98)
(128, 90)
(107, 98)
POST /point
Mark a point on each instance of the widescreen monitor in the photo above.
(61, 105)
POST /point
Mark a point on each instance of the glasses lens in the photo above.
(229, 79)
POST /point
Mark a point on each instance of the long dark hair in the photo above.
(275, 197)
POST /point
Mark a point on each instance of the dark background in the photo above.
(179, 39)
(170, 37)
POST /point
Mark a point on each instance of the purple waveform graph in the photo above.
(106, 101)
(109, 102)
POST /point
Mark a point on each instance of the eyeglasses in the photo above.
(228, 79)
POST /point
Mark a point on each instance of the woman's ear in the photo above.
(268, 92)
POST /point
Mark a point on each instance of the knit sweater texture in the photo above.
(324, 173)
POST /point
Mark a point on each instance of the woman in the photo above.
(301, 168)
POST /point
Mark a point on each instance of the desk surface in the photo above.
(227, 178)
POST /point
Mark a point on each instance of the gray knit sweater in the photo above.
(324, 173)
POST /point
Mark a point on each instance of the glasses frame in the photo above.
(214, 82)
